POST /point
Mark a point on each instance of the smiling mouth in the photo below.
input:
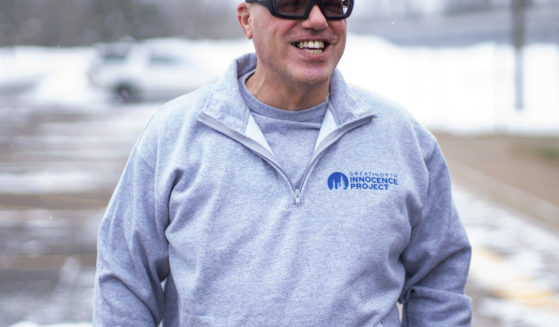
(313, 47)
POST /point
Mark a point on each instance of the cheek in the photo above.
(268, 44)
(261, 36)
(340, 47)
(263, 47)
(340, 30)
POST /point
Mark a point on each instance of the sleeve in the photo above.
(438, 257)
(132, 259)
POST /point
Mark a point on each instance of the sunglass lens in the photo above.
(291, 7)
(336, 8)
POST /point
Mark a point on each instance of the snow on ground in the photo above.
(468, 89)
(513, 259)
(52, 75)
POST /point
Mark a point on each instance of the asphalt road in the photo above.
(58, 169)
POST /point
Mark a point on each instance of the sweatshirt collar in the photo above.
(226, 104)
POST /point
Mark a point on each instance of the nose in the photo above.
(316, 19)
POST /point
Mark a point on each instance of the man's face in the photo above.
(297, 52)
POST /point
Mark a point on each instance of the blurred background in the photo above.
(80, 78)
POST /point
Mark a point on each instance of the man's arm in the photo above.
(438, 257)
(132, 257)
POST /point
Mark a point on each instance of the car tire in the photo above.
(126, 93)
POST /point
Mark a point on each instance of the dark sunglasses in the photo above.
(300, 9)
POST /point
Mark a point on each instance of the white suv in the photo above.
(153, 70)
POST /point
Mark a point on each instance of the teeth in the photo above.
(310, 45)
(314, 47)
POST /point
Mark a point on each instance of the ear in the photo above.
(243, 16)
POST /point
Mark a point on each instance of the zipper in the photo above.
(253, 145)
(261, 151)
(297, 197)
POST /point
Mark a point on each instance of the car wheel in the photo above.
(125, 93)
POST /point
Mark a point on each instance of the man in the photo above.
(280, 196)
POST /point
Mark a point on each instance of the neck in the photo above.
(288, 97)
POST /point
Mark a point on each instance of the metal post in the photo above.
(518, 39)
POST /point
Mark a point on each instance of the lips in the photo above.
(313, 47)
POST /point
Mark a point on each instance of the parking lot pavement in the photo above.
(513, 275)
(57, 171)
(59, 167)
(514, 171)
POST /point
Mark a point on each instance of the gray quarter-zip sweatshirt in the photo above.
(205, 228)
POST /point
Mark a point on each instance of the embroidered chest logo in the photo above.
(338, 181)
(362, 180)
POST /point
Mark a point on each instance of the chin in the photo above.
(314, 77)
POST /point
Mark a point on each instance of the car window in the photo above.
(162, 59)
(114, 54)
(113, 58)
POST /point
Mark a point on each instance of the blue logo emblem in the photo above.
(338, 181)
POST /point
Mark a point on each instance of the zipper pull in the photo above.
(297, 197)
